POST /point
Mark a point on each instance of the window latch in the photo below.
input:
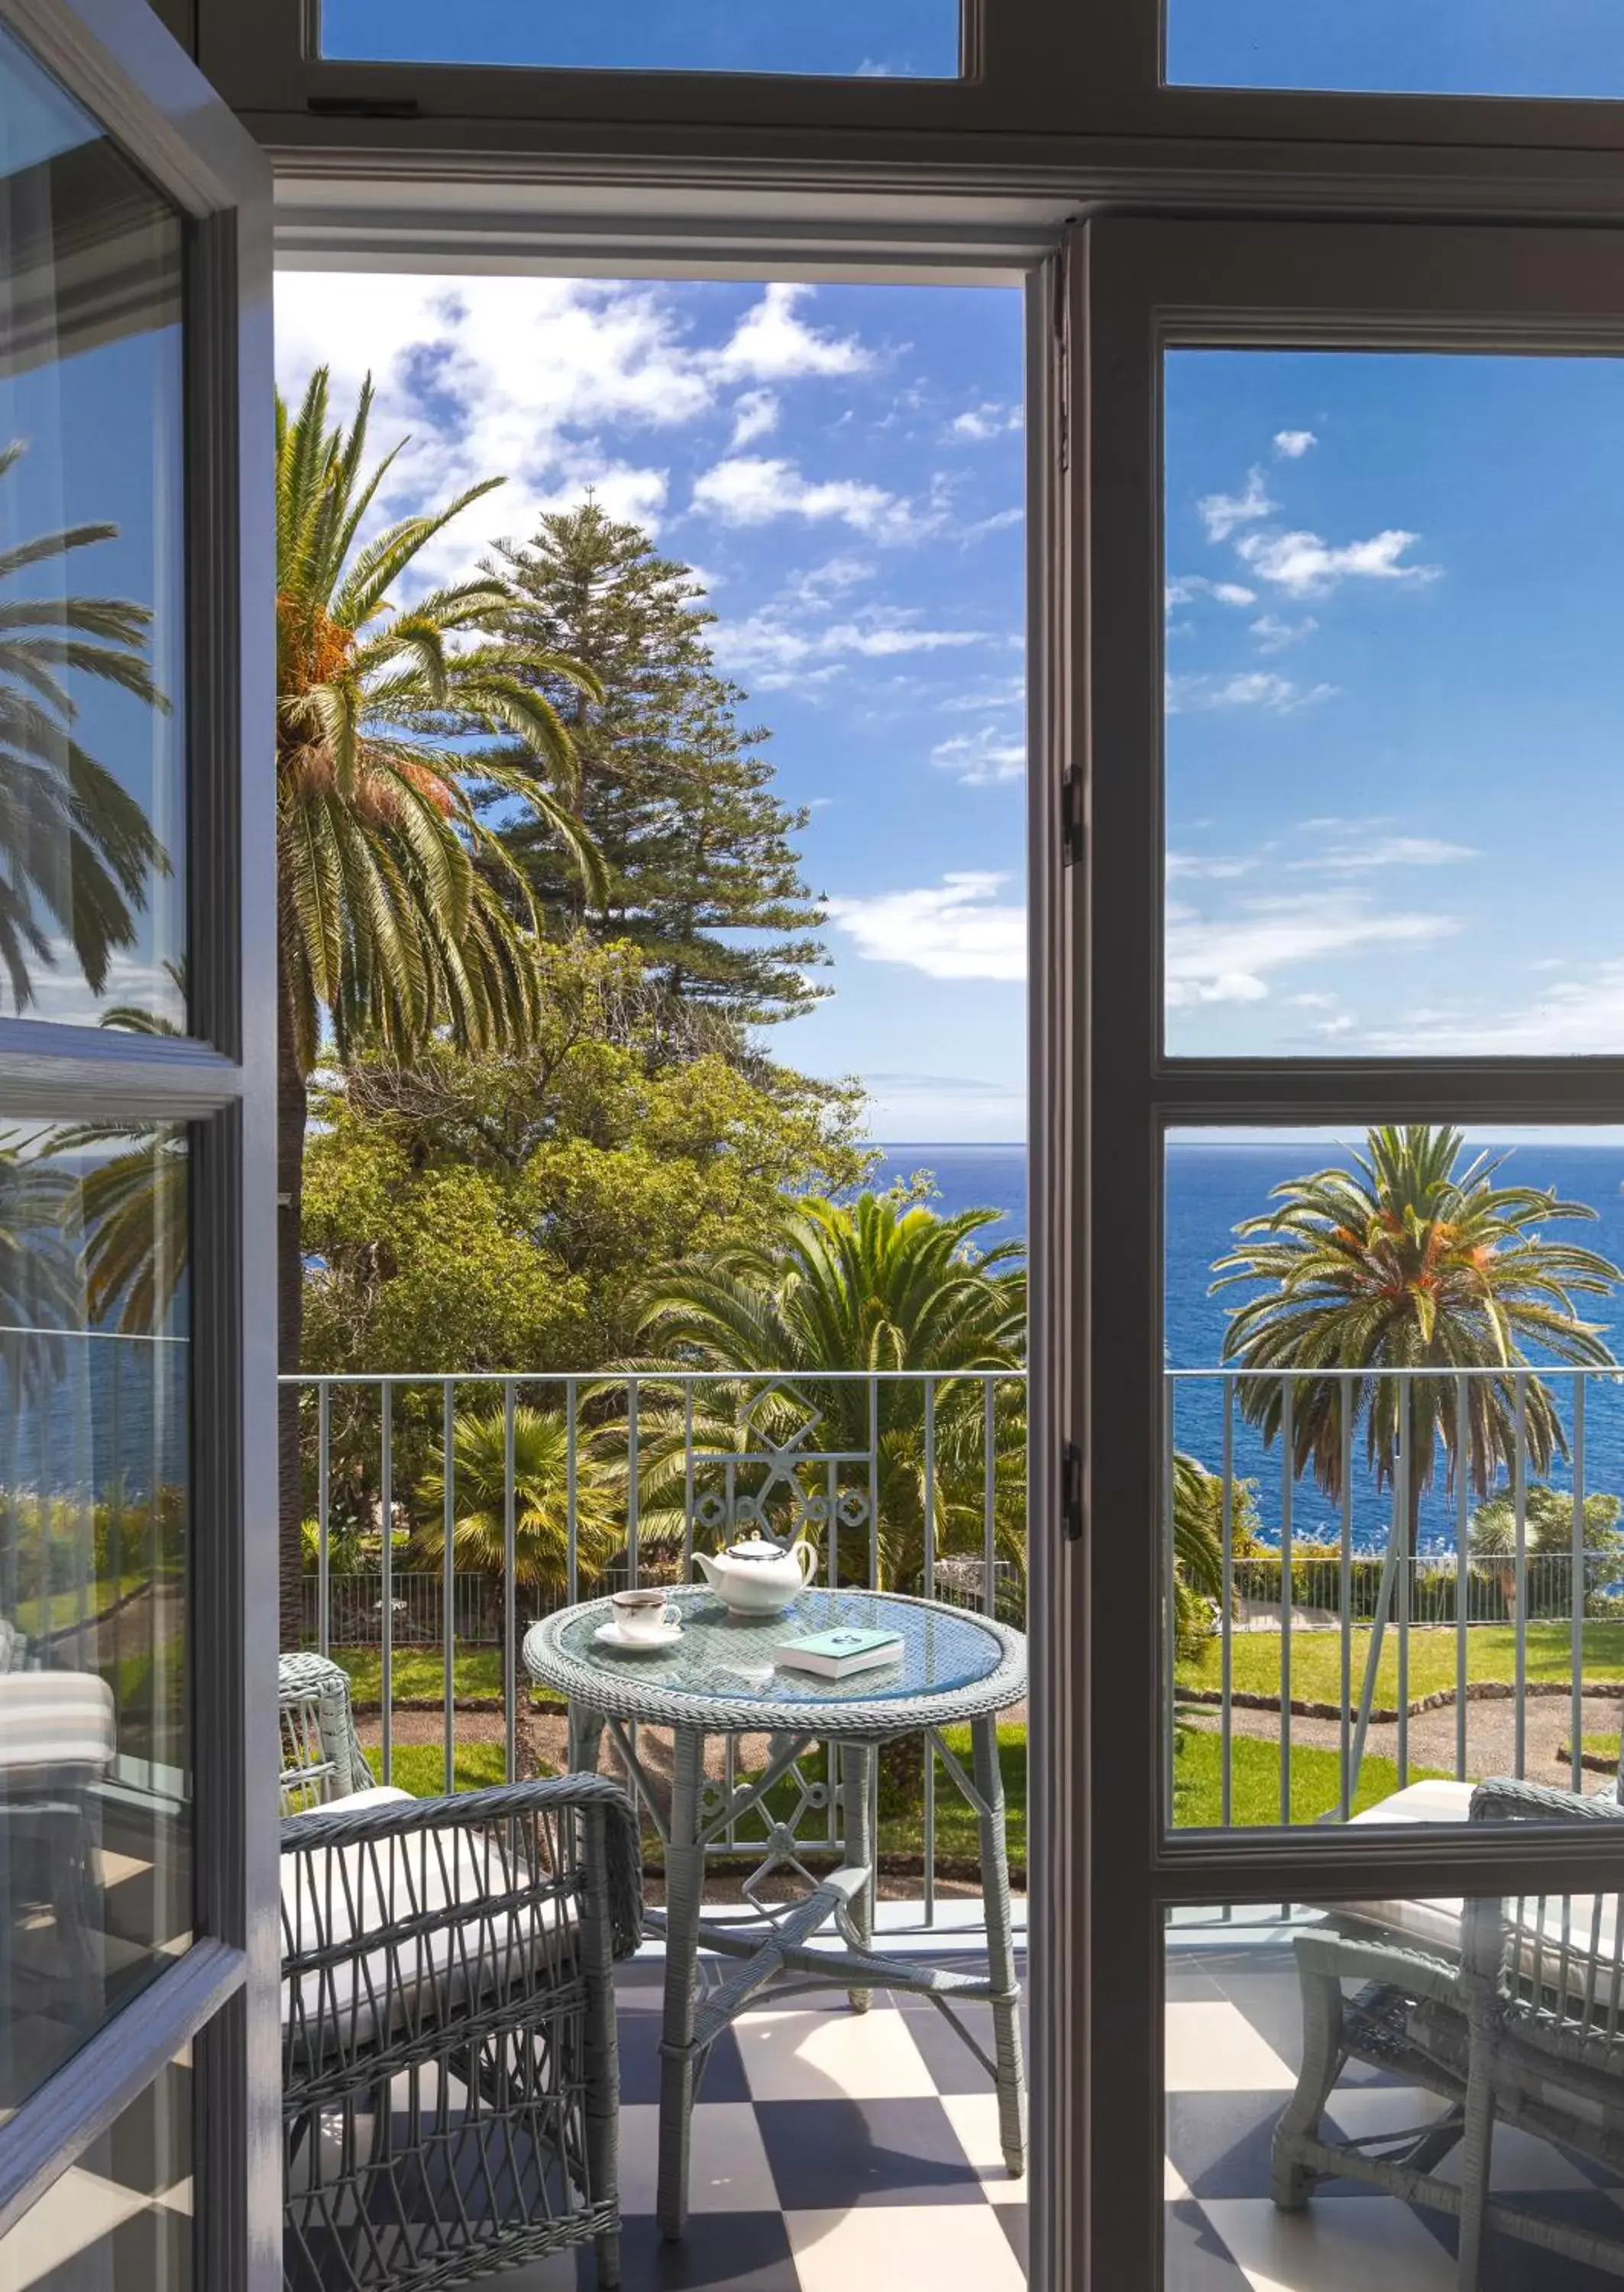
(1070, 1492)
(1072, 830)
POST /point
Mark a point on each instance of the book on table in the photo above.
(835, 1654)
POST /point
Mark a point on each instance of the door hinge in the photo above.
(1070, 1492)
(1072, 830)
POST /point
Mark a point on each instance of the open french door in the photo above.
(1313, 897)
(138, 1934)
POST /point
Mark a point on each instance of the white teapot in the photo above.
(756, 1578)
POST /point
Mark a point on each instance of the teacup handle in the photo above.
(806, 1560)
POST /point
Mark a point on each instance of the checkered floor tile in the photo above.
(832, 2150)
(1233, 2048)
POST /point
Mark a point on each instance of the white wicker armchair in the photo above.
(1521, 2022)
(450, 2086)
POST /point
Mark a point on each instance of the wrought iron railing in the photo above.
(1503, 1584)
(645, 1464)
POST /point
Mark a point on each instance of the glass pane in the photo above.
(94, 1531)
(1392, 619)
(1395, 1421)
(121, 2219)
(92, 896)
(1314, 2071)
(1454, 47)
(898, 39)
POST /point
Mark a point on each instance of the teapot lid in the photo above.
(754, 1547)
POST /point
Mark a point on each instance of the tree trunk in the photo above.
(292, 1107)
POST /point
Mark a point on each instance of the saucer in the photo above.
(610, 1635)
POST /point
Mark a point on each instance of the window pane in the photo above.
(1430, 1592)
(1394, 705)
(121, 2219)
(902, 39)
(92, 899)
(1257, 1998)
(94, 1531)
(1454, 47)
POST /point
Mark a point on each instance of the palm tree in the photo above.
(876, 1286)
(400, 917)
(1407, 1261)
(77, 853)
(541, 1500)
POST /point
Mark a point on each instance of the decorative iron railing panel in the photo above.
(506, 1496)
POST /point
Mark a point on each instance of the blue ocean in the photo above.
(1211, 1189)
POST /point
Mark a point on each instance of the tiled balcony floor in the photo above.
(832, 2151)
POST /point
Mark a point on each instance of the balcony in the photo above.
(1345, 1653)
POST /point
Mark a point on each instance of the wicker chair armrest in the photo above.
(339, 1826)
(1503, 1799)
(1349, 1959)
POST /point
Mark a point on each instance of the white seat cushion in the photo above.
(345, 1892)
(54, 1720)
(1588, 1929)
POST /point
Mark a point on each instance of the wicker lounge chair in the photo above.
(450, 2088)
(1521, 2021)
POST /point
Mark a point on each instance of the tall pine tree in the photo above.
(703, 874)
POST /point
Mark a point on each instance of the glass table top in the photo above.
(732, 1658)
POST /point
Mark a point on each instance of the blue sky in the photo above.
(1446, 47)
(1396, 694)
(894, 37)
(844, 466)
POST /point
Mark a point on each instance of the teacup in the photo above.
(643, 1614)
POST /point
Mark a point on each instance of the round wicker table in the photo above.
(720, 1678)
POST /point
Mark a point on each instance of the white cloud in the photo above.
(531, 377)
(1222, 513)
(956, 929)
(1312, 1002)
(1187, 587)
(982, 758)
(1305, 566)
(990, 419)
(783, 646)
(745, 489)
(1291, 445)
(1275, 636)
(1575, 1016)
(944, 1107)
(771, 345)
(1194, 867)
(1253, 687)
(1232, 959)
(1388, 852)
(755, 415)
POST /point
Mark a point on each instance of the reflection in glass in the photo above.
(121, 2219)
(1396, 1434)
(1395, 702)
(1340, 2109)
(92, 656)
(94, 1735)
(903, 39)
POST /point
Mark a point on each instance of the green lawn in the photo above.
(1601, 1746)
(62, 1609)
(420, 1768)
(1316, 1659)
(1316, 1782)
(419, 1674)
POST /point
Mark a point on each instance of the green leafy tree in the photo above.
(704, 875)
(77, 853)
(497, 1211)
(874, 1285)
(401, 918)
